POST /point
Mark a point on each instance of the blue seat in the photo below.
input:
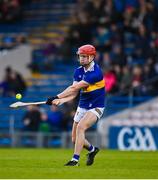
(54, 142)
(5, 141)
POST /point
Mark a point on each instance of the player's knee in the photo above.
(80, 128)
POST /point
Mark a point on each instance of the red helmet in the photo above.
(87, 49)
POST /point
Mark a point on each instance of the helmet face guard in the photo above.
(87, 50)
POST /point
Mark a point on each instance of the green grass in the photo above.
(48, 163)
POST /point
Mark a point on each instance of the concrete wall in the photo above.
(17, 58)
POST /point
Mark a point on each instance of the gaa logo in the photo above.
(136, 139)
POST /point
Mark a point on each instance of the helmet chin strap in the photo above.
(89, 59)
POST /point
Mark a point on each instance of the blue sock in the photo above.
(76, 157)
(91, 148)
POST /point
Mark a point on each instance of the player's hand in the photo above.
(50, 99)
(56, 102)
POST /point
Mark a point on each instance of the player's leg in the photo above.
(87, 145)
(78, 136)
(73, 162)
(80, 112)
(94, 150)
(87, 121)
(78, 116)
(73, 133)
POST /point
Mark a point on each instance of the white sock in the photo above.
(73, 159)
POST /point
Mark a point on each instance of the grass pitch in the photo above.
(48, 163)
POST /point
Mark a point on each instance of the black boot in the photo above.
(72, 163)
(91, 156)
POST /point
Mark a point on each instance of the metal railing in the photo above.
(40, 140)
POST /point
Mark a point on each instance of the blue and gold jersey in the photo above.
(94, 95)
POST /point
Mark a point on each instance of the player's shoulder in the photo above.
(78, 69)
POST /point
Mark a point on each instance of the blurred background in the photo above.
(38, 43)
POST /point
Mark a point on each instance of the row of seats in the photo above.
(38, 90)
(146, 117)
(39, 14)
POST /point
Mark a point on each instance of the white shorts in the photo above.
(80, 112)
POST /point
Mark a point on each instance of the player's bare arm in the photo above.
(69, 93)
(61, 101)
(73, 89)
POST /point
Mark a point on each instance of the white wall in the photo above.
(17, 58)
